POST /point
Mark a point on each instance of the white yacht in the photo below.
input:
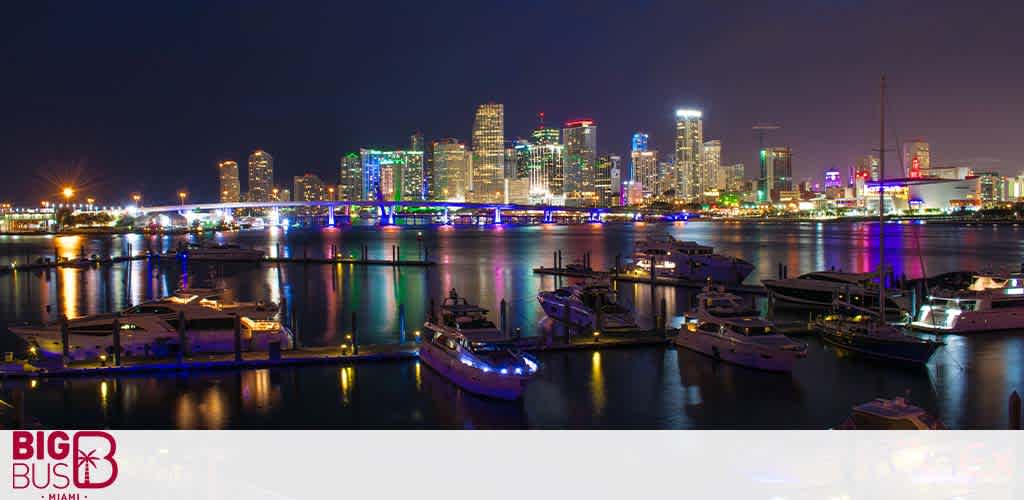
(990, 303)
(468, 349)
(593, 305)
(890, 414)
(220, 251)
(151, 328)
(723, 328)
(688, 260)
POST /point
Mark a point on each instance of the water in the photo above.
(966, 384)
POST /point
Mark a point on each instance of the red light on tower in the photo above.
(579, 123)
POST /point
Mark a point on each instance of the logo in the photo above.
(53, 460)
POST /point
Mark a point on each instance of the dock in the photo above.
(312, 260)
(644, 279)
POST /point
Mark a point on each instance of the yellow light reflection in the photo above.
(597, 392)
(419, 378)
(69, 290)
(347, 380)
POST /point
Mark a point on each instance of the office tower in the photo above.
(917, 158)
(416, 145)
(666, 179)
(280, 194)
(545, 135)
(645, 164)
(350, 176)
(416, 141)
(488, 152)
(833, 178)
(867, 167)
(542, 163)
(308, 187)
(261, 175)
(230, 189)
(392, 175)
(691, 179)
(580, 158)
(451, 169)
(638, 143)
(989, 187)
(603, 179)
(732, 175)
(711, 161)
(776, 172)
(509, 168)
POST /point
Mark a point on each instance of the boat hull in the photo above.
(897, 351)
(748, 356)
(977, 322)
(583, 317)
(490, 384)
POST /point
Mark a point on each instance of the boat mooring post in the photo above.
(663, 324)
(599, 320)
(64, 337)
(778, 274)
(181, 337)
(554, 260)
(654, 287)
(355, 335)
(238, 338)
(401, 323)
(116, 330)
(504, 319)
(1015, 411)
(618, 263)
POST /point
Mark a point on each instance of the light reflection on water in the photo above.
(966, 384)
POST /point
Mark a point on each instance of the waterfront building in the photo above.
(416, 145)
(261, 175)
(645, 170)
(691, 177)
(867, 167)
(280, 194)
(917, 158)
(730, 177)
(451, 170)
(350, 176)
(637, 144)
(308, 187)
(580, 160)
(517, 191)
(711, 162)
(395, 175)
(488, 153)
(776, 172)
(990, 187)
(545, 135)
(603, 178)
(230, 188)
(542, 163)
(615, 173)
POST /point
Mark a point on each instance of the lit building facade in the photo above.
(396, 175)
(637, 143)
(230, 188)
(542, 164)
(308, 187)
(451, 170)
(606, 164)
(691, 177)
(350, 176)
(731, 177)
(488, 153)
(580, 161)
(711, 163)
(917, 158)
(261, 176)
(867, 168)
(776, 172)
(645, 165)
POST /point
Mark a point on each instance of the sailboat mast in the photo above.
(881, 202)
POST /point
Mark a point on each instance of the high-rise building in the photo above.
(645, 165)
(580, 140)
(542, 163)
(732, 177)
(917, 158)
(488, 153)
(350, 176)
(691, 178)
(711, 162)
(308, 187)
(545, 135)
(230, 189)
(867, 168)
(776, 172)
(395, 175)
(261, 175)
(603, 178)
(451, 170)
(637, 144)
(416, 144)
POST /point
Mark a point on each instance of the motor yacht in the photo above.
(219, 251)
(688, 260)
(592, 305)
(151, 328)
(890, 414)
(468, 349)
(821, 289)
(991, 303)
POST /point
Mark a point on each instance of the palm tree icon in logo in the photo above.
(87, 460)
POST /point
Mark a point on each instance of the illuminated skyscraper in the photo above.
(917, 158)
(691, 178)
(416, 144)
(230, 189)
(646, 171)
(451, 170)
(308, 187)
(776, 171)
(606, 168)
(711, 163)
(351, 178)
(867, 167)
(639, 143)
(542, 163)
(489, 152)
(580, 140)
(732, 177)
(396, 175)
(261, 175)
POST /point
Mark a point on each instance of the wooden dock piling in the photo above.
(1015, 412)
(181, 337)
(238, 338)
(116, 331)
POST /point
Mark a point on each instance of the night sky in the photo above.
(148, 96)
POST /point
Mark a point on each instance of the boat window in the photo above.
(92, 330)
(708, 327)
(757, 330)
(968, 305)
(132, 327)
(224, 323)
(1001, 304)
(150, 309)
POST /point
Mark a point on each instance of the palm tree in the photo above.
(88, 460)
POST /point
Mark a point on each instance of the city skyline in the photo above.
(308, 114)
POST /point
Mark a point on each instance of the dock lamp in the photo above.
(597, 336)
(417, 334)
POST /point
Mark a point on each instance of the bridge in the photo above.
(388, 210)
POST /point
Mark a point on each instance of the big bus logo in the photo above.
(55, 460)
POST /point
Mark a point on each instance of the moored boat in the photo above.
(890, 414)
(991, 303)
(593, 305)
(688, 260)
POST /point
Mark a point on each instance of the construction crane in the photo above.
(762, 129)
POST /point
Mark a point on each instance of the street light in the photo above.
(181, 196)
(68, 192)
(136, 197)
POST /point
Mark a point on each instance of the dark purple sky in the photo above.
(149, 95)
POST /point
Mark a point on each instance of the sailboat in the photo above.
(865, 331)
